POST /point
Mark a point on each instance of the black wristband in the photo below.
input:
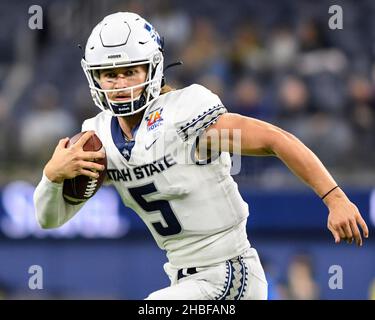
(329, 192)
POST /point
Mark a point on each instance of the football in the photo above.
(82, 188)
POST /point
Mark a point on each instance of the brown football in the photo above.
(82, 188)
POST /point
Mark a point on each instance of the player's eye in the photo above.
(110, 75)
(129, 72)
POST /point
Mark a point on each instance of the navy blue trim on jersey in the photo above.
(201, 117)
(124, 146)
(201, 122)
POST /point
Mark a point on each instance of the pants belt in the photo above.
(182, 273)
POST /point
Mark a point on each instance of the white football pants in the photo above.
(240, 278)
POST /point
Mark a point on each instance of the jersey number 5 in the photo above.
(173, 226)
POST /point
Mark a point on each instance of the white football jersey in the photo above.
(193, 210)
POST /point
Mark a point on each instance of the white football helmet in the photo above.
(124, 39)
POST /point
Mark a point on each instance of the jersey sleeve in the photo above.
(199, 109)
(51, 210)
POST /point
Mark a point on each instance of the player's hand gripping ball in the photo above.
(82, 188)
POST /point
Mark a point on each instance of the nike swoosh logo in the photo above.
(147, 147)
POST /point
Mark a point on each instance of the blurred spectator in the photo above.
(173, 25)
(282, 48)
(321, 132)
(49, 122)
(328, 93)
(214, 83)
(316, 52)
(8, 138)
(247, 99)
(293, 101)
(204, 53)
(312, 35)
(361, 105)
(300, 284)
(246, 52)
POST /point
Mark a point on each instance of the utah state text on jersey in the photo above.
(140, 172)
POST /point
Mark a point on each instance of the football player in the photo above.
(183, 192)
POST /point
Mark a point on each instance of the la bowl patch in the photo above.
(154, 119)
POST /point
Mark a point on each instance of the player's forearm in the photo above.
(261, 138)
(304, 164)
(50, 208)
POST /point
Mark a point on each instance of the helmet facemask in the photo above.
(95, 63)
(136, 103)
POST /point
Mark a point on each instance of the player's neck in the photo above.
(128, 123)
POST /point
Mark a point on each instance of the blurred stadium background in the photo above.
(274, 60)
